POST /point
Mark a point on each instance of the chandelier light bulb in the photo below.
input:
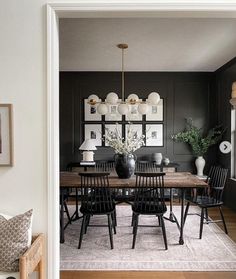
(112, 98)
(133, 98)
(123, 108)
(93, 99)
(102, 109)
(143, 108)
(153, 98)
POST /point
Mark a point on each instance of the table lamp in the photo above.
(88, 145)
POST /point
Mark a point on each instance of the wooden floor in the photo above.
(230, 217)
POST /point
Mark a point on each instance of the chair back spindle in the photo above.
(104, 166)
(149, 192)
(95, 192)
(146, 166)
(216, 180)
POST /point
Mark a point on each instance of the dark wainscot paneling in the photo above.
(185, 95)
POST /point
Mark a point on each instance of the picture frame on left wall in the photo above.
(6, 135)
(93, 131)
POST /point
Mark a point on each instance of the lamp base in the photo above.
(88, 156)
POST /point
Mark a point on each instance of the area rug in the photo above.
(214, 252)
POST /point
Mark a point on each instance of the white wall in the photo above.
(23, 84)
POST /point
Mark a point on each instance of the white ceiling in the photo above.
(155, 44)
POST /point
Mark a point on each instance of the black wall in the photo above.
(185, 95)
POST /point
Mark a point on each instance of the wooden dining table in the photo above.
(174, 180)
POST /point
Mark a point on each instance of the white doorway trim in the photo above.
(91, 9)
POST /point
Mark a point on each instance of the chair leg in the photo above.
(201, 223)
(113, 218)
(159, 220)
(163, 231)
(110, 229)
(86, 223)
(67, 212)
(135, 229)
(132, 221)
(206, 214)
(223, 220)
(186, 211)
(82, 231)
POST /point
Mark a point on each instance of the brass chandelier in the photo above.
(124, 105)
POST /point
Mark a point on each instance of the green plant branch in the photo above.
(195, 138)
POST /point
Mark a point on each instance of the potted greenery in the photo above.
(198, 141)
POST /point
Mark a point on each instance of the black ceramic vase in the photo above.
(125, 165)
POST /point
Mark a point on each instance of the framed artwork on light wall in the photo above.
(113, 114)
(113, 127)
(93, 131)
(156, 112)
(154, 134)
(90, 112)
(6, 138)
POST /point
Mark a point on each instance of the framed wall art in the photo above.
(113, 114)
(113, 127)
(6, 137)
(154, 134)
(156, 112)
(133, 114)
(93, 131)
(90, 112)
(137, 129)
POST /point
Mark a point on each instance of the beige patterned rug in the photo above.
(214, 252)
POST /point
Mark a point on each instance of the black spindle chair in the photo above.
(104, 166)
(107, 166)
(150, 166)
(96, 199)
(146, 166)
(149, 200)
(209, 198)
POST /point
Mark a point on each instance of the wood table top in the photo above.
(171, 180)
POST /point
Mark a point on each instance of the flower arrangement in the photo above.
(195, 138)
(126, 146)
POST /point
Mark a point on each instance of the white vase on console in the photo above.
(200, 164)
(157, 158)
